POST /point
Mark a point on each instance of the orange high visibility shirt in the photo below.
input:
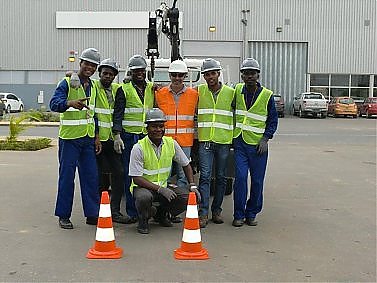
(180, 120)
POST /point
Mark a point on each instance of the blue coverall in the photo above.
(247, 159)
(74, 153)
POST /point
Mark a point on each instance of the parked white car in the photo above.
(310, 103)
(12, 102)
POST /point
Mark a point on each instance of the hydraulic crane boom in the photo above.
(165, 20)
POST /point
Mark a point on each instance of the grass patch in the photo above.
(27, 145)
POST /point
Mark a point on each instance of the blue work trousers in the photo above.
(178, 170)
(247, 159)
(210, 153)
(78, 153)
(129, 140)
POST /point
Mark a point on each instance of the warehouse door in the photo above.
(283, 67)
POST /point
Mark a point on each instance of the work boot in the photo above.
(217, 219)
(176, 219)
(203, 221)
(132, 219)
(165, 222)
(91, 220)
(251, 222)
(65, 223)
(143, 226)
(120, 218)
(237, 222)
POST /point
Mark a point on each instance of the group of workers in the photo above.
(137, 137)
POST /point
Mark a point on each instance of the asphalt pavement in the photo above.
(318, 223)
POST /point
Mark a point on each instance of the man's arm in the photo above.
(272, 119)
(119, 106)
(58, 102)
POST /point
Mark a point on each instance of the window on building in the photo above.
(360, 80)
(336, 92)
(340, 80)
(323, 90)
(375, 92)
(319, 79)
(360, 92)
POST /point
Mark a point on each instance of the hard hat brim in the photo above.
(108, 66)
(249, 68)
(89, 60)
(211, 69)
(155, 120)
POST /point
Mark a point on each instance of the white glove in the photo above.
(194, 188)
(118, 144)
(75, 81)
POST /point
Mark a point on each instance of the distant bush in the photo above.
(47, 116)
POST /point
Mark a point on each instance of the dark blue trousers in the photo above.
(129, 140)
(78, 153)
(247, 159)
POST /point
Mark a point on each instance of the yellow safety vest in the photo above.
(215, 119)
(134, 112)
(157, 170)
(104, 111)
(251, 122)
(75, 123)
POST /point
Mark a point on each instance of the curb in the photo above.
(36, 124)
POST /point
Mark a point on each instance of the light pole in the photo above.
(244, 31)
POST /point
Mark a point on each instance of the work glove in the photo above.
(194, 188)
(118, 144)
(75, 81)
(167, 193)
(262, 147)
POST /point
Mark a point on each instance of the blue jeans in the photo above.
(210, 153)
(78, 153)
(129, 140)
(181, 177)
(247, 159)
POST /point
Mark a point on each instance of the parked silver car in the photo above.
(310, 103)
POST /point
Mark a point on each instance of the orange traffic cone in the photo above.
(104, 246)
(191, 245)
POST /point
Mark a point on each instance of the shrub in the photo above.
(27, 145)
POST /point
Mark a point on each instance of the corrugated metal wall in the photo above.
(283, 67)
(341, 34)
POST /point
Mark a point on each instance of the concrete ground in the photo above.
(318, 221)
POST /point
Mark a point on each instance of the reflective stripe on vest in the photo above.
(180, 120)
(134, 112)
(215, 119)
(104, 111)
(251, 123)
(157, 170)
(75, 123)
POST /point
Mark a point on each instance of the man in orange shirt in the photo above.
(178, 102)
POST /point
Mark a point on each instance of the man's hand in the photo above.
(118, 144)
(262, 147)
(75, 81)
(194, 188)
(98, 145)
(78, 103)
(167, 193)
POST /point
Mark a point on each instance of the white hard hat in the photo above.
(210, 64)
(91, 55)
(154, 115)
(250, 64)
(178, 66)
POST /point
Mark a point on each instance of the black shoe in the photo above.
(251, 222)
(143, 226)
(65, 223)
(176, 219)
(217, 218)
(91, 220)
(237, 222)
(119, 218)
(165, 222)
(132, 220)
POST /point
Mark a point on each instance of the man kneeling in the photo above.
(150, 165)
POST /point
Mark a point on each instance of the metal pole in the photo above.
(244, 31)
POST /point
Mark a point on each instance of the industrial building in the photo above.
(322, 45)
